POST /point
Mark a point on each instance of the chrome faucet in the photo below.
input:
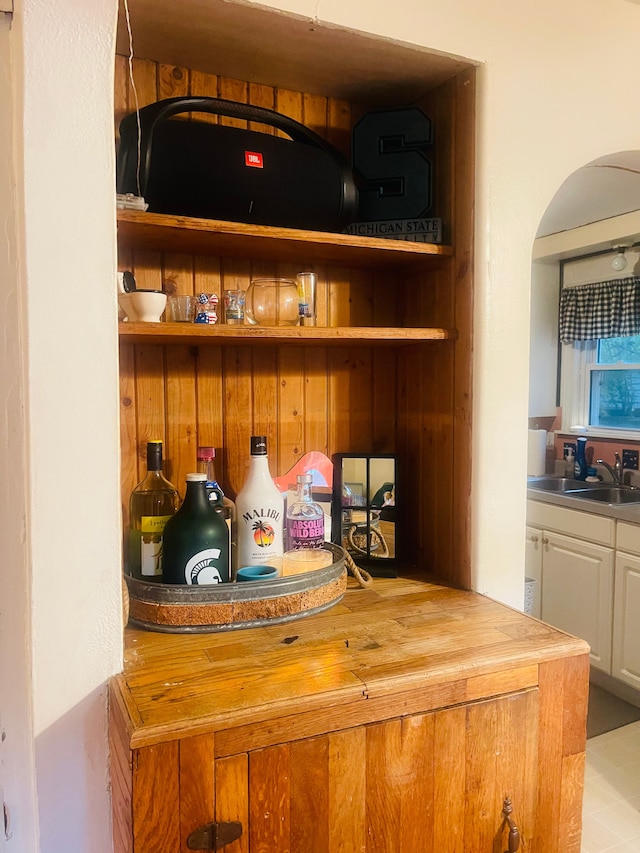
(616, 471)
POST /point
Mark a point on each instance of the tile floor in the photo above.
(611, 812)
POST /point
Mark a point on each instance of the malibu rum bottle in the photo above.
(152, 503)
(259, 512)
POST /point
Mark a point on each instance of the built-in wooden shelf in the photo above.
(195, 334)
(161, 232)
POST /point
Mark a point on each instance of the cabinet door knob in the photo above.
(514, 834)
(545, 541)
(214, 836)
(534, 538)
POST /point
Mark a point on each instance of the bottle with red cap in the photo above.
(223, 505)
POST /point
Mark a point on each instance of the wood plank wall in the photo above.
(349, 399)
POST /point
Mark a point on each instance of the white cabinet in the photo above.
(626, 624)
(573, 553)
(577, 592)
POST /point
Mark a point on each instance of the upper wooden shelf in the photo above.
(160, 232)
(195, 334)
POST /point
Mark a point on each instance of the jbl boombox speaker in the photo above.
(215, 171)
(391, 156)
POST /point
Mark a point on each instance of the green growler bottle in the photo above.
(196, 540)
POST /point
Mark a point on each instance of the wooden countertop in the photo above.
(399, 647)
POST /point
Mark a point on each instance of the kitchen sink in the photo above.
(601, 492)
(608, 495)
(557, 484)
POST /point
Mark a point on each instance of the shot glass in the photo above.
(234, 307)
(256, 573)
(207, 304)
(303, 560)
(182, 309)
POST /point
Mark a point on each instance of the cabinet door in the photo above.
(533, 566)
(420, 784)
(577, 592)
(425, 783)
(626, 627)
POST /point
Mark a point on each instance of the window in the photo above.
(600, 384)
(600, 369)
(614, 383)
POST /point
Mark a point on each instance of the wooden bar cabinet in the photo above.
(399, 721)
(413, 715)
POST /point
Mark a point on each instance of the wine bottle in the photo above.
(152, 503)
(196, 540)
(220, 502)
(260, 512)
(305, 518)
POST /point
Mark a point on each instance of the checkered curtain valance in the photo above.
(603, 309)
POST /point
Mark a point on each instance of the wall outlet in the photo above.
(569, 445)
(630, 459)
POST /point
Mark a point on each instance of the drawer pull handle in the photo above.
(214, 836)
(514, 834)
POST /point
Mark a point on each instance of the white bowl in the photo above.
(144, 306)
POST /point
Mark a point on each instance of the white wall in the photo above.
(17, 766)
(549, 69)
(543, 347)
(65, 546)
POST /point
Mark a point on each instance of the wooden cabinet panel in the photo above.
(197, 785)
(232, 797)
(156, 797)
(314, 788)
(269, 784)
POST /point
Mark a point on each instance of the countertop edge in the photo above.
(521, 649)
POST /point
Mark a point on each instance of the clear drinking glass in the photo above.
(234, 307)
(307, 298)
(182, 309)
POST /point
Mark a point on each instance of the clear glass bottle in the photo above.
(305, 518)
(196, 540)
(220, 502)
(569, 465)
(152, 503)
(260, 512)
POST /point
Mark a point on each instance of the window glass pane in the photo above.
(619, 350)
(615, 398)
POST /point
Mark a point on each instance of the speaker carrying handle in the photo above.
(150, 115)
